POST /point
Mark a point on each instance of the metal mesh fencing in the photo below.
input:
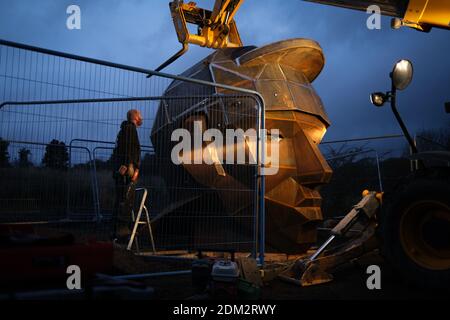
(59, 118)
(372, 163)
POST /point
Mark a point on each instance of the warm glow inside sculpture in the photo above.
(282, 72)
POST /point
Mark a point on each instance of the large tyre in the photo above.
(415, 230)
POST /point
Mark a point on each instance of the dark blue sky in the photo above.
(358, 61)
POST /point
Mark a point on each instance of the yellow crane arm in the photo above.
(215, 29)
(425, 14)
(418, 14)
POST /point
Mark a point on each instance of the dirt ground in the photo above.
(349, 282)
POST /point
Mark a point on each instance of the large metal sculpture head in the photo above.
(282, 72)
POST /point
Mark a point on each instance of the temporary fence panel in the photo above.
(59, 117)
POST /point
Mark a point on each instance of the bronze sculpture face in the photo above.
(282, 73)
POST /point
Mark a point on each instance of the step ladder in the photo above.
(139, 220)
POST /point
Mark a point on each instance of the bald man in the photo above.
(127, 156)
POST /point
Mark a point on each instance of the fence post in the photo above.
(261, 177)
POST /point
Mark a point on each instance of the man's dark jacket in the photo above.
(128, 149)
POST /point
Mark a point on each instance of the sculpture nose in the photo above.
(312, 168)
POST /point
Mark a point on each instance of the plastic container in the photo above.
(225, 271)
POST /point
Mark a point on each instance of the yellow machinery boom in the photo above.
(425, 14)
(217, 29)
(418, 14)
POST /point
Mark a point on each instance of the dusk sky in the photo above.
(358, 60)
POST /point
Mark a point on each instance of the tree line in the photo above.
(56, 156)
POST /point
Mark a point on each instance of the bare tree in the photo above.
(433, 139)
(344, 154)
